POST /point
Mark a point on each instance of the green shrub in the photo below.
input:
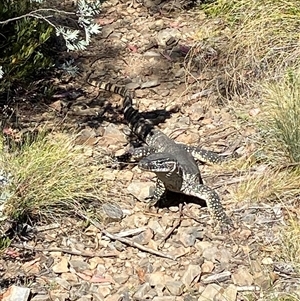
(23, 48)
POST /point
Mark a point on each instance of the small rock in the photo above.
(210, 292)
(245, 234)
(203, 245)
(178, 251)
(229, 294)
(56, 105)
(207, 267)
(70, 277)
(175, 287)
(108, 175)
(155, 278)
(188, 237)
(156, 227)
(61, 267)
(142, 291)
(31, 267)
(63, 283)
(144, 237)
(242, 277)
(253, 112)
(125, 175)
(180, 72)
(150, 84)
(16, 293)
(192, 272)
(113, 133)
(217, 255)
(133, 86)
(104, 290)
(113, 212)
(79, 265)
(59, 295)
(267, 261)
(166, 34)
(140, 190)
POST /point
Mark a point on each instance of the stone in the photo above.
(210, 292)
(175, 287)
(207, 267)
(192, 273)
(155, 278)
(227, 294)
(267, 261)
(63, 283)
(113, 133)
(58, 295)
(242, 277)
(144, 237)
(142, 291)
(215, 254)
(16, 293)
(113, 212)
(61, 266)
(79, 265)
(104, 290)
(188, 237)
(140, 190)
(150, 84)
(70, 277)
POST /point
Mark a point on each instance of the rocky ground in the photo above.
(174, 253)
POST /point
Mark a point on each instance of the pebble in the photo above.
(61, 266)
(191, 274)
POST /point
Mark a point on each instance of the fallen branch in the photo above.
(127, 241)
(67, 251)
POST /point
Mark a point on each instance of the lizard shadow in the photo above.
(175, 199)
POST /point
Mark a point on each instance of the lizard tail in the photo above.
(138, 124)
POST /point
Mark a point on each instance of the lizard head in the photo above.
(159, 163)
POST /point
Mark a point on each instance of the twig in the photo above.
(289, 165)
(68, 251)
(137, 245)
(175, 226)
(32, 14)
(127, 241)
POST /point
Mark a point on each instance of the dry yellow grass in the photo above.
(256, 60)
(255, 40)
(49, 177)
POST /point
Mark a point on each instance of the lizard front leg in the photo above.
(213, 203)
(159, 194)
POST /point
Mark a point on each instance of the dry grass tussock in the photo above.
(250, 50)
(49, 177)
(254, 40)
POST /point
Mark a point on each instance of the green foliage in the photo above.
(23, 48)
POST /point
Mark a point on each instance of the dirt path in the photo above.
(153, 51)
